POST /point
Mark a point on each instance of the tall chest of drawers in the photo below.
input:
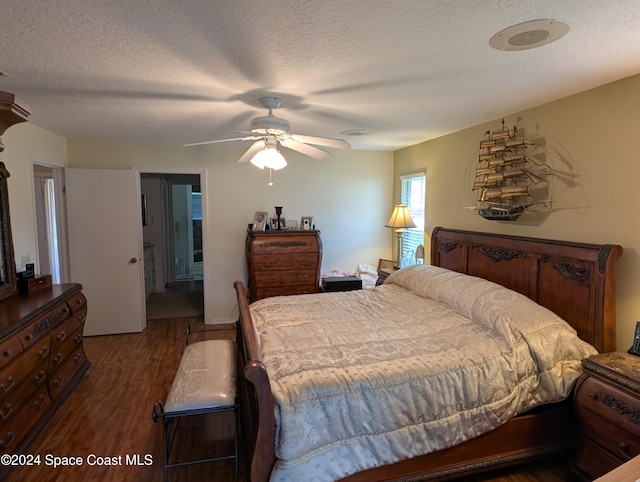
(607, 400)
(41, 359)
(283, 262)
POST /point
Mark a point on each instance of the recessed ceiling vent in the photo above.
(529, 35)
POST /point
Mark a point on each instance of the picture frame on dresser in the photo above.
(306, 222)
(274, 223)
(260, 220)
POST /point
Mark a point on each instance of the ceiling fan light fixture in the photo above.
(270, 125)
(269, 157)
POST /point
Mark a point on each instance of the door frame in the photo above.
(203, 188)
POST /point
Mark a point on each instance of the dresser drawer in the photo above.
(621, 444)
(16, 397)
(68, 328)
(265, 262)
(594, 461)
(76, 302)
(264, 279)
(61, 352)
(42, 325)
(31, 412)
(10, 348)
(59, 379)
(24, 369)
(609, 403)
(281, 244)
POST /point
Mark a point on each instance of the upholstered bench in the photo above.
(205, 383)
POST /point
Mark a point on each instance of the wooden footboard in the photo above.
(256, 399)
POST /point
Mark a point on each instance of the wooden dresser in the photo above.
(607, 400)
(42, 359)
(283, 262)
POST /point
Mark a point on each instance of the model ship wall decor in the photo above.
(508, 178)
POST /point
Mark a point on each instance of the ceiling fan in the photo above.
(270, 131)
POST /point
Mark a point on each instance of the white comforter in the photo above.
(426, 361)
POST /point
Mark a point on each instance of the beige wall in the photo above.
(590, 137)
(348, 195)
(26, 144)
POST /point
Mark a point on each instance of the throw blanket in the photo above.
(426, 361)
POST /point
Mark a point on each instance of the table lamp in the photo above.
(400, 220)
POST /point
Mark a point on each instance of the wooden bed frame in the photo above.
(575, 280)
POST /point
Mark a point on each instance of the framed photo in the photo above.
(274, 223)
(306, 222)
(260, 220)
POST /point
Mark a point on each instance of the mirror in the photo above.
(7, 262)
(12, 111)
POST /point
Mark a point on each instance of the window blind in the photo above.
(413, 194)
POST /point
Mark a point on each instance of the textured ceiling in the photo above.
(186, 71)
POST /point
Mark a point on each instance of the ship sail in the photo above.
(505, 174)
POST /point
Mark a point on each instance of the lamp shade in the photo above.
(420, 252)
(270, 158)
(400, 218)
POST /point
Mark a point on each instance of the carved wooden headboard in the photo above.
(575, 280)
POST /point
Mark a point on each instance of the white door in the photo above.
(105, 247)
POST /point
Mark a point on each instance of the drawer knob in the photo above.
(592, 395)
(59, 380)
(8, 353)
(623, 448)
(8, 408)
(61, 336)
(38, 402)
(39, 378)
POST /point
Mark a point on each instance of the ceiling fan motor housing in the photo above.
(269, 125)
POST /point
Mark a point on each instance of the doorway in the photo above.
(173, 246)
(50, 231)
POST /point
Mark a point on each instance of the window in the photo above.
(196, 221)
(413, 194)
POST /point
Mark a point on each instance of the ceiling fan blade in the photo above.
(322, 141)
(252, 151)
(248, 138)
(305, 149)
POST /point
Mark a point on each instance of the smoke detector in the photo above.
(529, 35)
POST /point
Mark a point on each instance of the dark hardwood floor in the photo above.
(108, 419)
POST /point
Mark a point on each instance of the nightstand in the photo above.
(607, 401)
